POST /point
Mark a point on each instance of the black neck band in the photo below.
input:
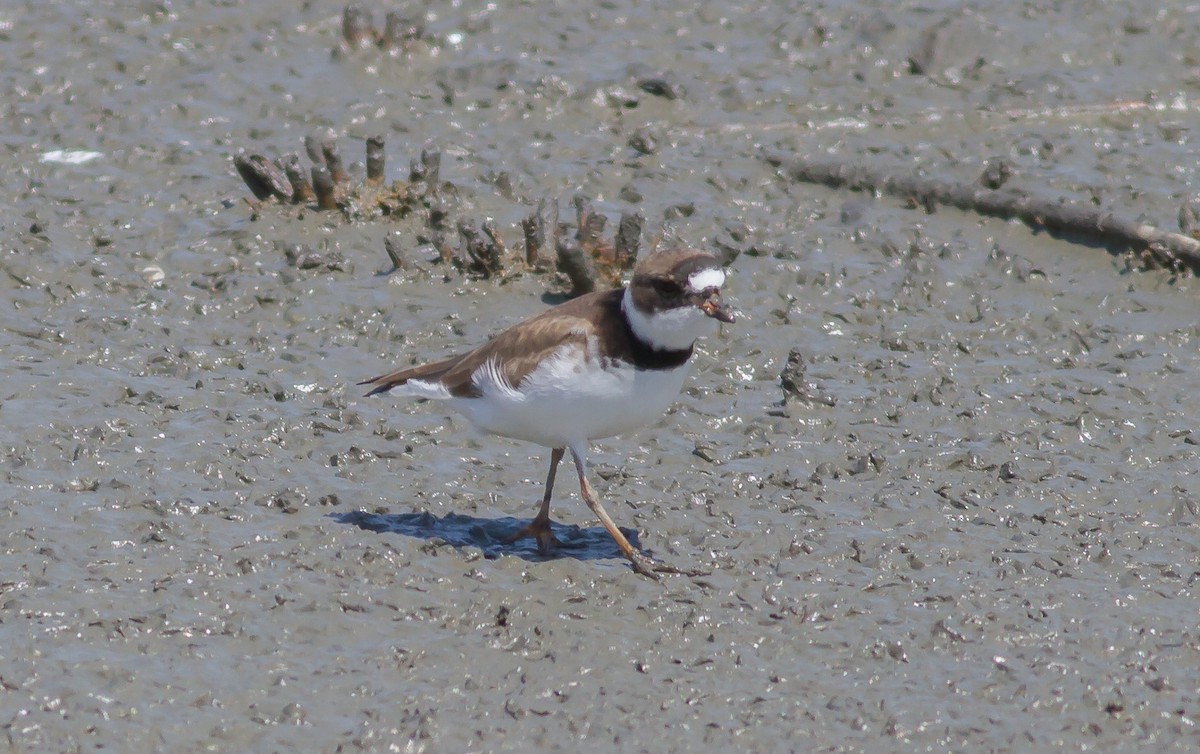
(645, 356)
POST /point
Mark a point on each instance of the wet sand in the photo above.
(976, 531)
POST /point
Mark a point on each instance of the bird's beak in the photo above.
(713, 307)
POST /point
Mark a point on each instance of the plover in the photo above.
(596, 366)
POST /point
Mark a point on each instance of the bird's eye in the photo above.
(666, 287)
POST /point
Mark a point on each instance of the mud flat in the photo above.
(968, 523)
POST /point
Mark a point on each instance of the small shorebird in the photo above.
(596, 366)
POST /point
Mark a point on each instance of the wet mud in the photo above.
(965, 520)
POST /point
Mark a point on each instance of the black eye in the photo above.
(667, 288)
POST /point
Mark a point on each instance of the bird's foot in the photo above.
(539, 529)
(648, 566)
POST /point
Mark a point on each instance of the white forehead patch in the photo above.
(710, 278)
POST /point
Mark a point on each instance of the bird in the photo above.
(593, 367)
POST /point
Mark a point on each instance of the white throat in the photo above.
(668, 330)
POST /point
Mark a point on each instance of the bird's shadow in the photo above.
(491, 535)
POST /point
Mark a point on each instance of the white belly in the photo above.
(568, 400)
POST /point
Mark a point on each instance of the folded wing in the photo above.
(515, 353)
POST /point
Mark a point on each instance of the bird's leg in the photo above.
(642, 563)
(539, 527)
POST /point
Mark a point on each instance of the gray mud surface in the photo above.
(975, 530)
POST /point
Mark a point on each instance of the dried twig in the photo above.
(589, 223)
(529, 228)
(357, 29)
(577, 265)
(391, 244)
(484, 254)
(1054, 215)
(398, 31)
(333, 160)
(495, 239)
(263, 177)
(629, 233)
(375, 160)
(426, 170)
(302, 190)
(322, 181)
(312, 147)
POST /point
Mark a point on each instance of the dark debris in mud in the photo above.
(332, 188)
(400, 32)
(582, 258)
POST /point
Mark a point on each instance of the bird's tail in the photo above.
(426, 373)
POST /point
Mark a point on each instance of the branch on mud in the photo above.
(1056, 215)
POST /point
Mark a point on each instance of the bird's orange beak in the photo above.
(713, 307)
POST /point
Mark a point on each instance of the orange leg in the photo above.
(539, 527)
(643, 564)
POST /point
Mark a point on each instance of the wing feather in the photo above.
(515, 352)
